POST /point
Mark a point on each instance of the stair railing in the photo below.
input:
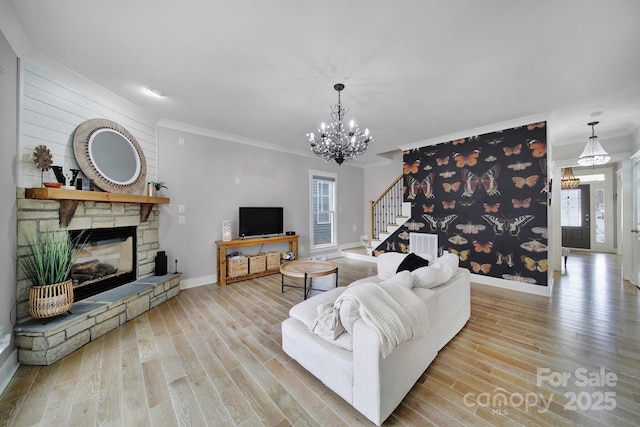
(384, 210)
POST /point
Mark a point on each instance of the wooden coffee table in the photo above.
(307, 269)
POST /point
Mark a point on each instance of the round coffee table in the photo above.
(307, 269)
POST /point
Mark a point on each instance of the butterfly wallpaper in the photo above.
(486, 197)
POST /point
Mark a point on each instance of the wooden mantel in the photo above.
(69, 200)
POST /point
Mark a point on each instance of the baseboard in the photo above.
(513, 285)
(8, 370)
(325, 256)
(198, 281)
(350, 245)
(361, 257)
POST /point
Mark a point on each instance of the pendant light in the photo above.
(568, 179)
(593, 153)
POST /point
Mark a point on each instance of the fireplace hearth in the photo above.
(106, 259)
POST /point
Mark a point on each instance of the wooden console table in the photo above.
(256, 241)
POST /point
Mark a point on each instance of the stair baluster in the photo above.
(385, 209)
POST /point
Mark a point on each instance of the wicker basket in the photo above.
(273, 260)
(237, 266)
(257, 263)
(50, 300)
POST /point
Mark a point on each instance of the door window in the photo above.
(571, 209)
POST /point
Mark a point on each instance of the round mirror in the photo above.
(114, 156)
(107, 153)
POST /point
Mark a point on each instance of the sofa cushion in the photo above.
(412, 262)
(349, 311)
(388, 263)
(450, 259)
(306, 313)
(307, 310)
(423, 293)
(437, 273)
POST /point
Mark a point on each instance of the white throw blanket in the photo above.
(395, 312)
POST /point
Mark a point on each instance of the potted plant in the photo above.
(154, 188)
(46, 261)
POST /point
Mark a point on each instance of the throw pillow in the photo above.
(450, 259)
(439, 272)
(388, 263)
(412, 262)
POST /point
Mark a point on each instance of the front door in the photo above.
(576, 224)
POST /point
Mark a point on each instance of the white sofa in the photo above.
(352, 365)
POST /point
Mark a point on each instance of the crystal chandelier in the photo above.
(336, 142)
(593, 153)
(568, 179)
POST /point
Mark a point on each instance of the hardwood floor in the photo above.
(212, 356)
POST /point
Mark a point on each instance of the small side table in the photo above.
(307, 269)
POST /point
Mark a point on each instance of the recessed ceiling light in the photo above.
(154, 92)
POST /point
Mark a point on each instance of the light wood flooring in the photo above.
(212, 356)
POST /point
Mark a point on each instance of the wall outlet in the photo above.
(181, 208)
(181, 219)
(181, 141)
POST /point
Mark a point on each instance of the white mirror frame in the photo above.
(82, 149)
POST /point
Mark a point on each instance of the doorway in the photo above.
(575, 217)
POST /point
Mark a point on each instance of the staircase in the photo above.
(391, 227)
(387, 214)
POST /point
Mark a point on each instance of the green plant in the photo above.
(47, 259)
(159, 185)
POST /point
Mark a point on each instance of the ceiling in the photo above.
(414, 70)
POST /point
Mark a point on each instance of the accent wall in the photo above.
(486, 197)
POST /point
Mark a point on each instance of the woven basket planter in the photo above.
(50, 300)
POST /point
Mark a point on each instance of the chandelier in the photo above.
(336, 142)
(593, 153)
(568, 179)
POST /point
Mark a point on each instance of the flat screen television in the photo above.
(260, 221)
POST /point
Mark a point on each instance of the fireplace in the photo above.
(106, 259)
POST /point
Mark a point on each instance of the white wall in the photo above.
(8, 148)
(212, 178)
(51, 108)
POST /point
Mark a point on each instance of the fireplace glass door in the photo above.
(106, 259)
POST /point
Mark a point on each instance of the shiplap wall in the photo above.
(52, 107)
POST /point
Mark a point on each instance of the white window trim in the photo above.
(334, 176)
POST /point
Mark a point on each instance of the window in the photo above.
(323, 217)
(591, 178)
(571, 208)
(600, 225)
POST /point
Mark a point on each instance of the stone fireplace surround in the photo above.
(42, 342)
